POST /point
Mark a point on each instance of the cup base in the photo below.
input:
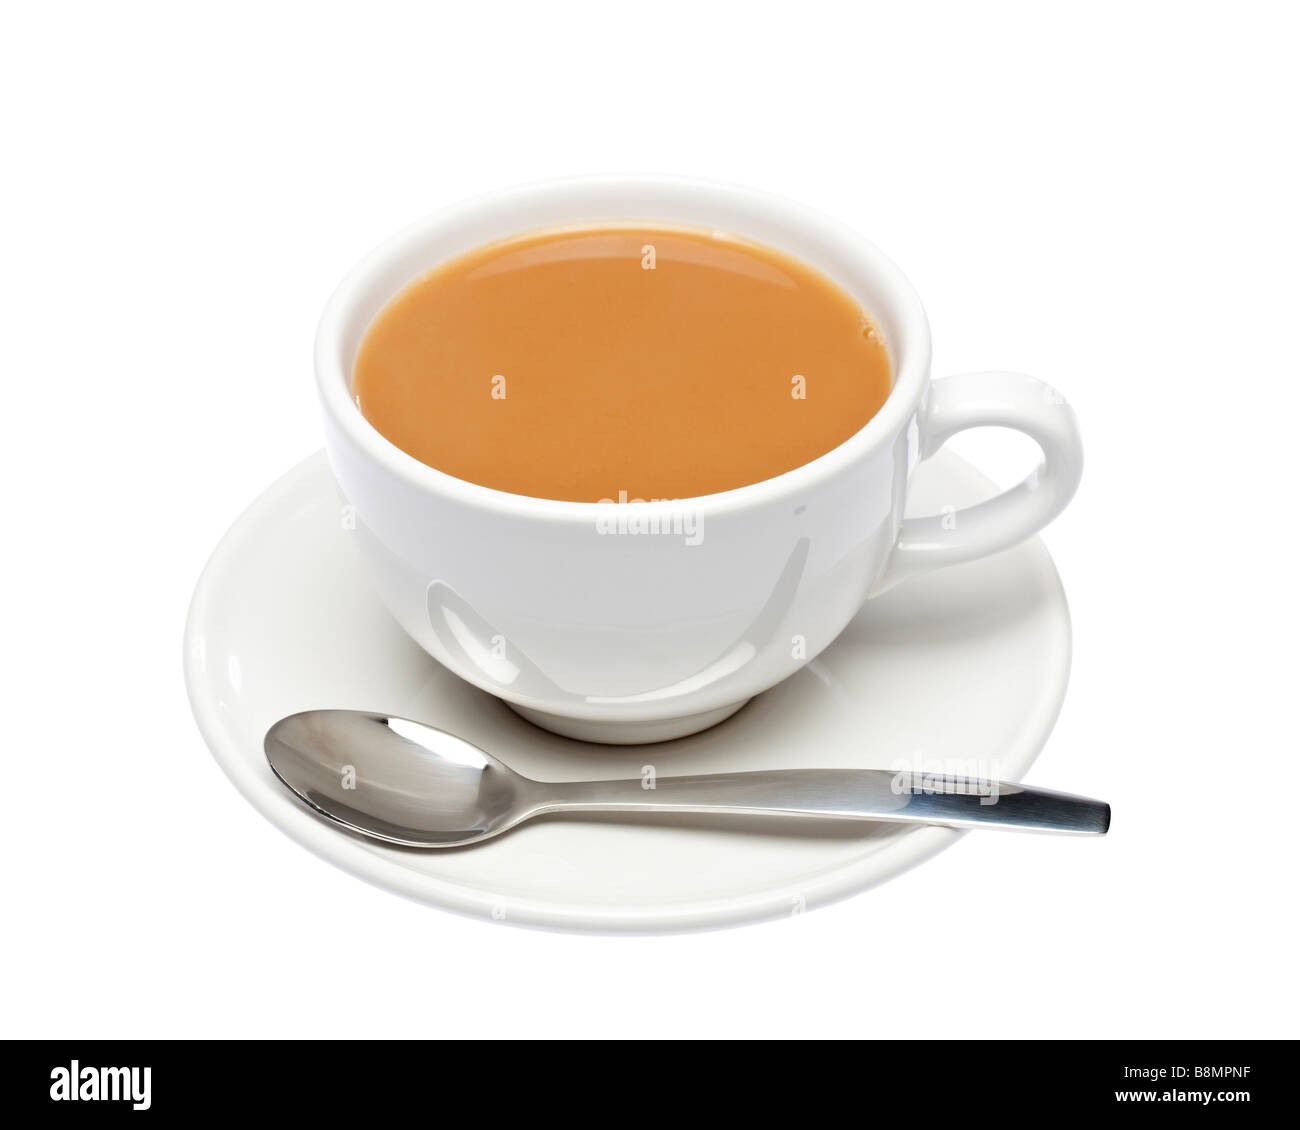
(627, 733)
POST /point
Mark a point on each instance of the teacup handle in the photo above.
(976, 400)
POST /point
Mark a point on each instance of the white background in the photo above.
(1107, 200)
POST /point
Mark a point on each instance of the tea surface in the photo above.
(620, 361)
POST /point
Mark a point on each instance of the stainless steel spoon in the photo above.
(407, 783)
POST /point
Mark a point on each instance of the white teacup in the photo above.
(640, 622)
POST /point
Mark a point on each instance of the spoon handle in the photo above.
(846, 794)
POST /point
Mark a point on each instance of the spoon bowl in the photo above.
(397, 780)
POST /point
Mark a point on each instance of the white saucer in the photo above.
(960, 671)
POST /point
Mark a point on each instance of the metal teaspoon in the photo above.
(406, 783)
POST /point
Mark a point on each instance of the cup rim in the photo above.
(909, 347)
